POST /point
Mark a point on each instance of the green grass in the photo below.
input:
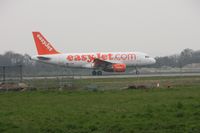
(113, 111)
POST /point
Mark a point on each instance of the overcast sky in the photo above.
(157, 27)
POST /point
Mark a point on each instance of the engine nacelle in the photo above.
(116, 68)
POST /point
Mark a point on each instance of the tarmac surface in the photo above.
(117, 76)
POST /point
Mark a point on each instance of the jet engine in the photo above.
(115, 68)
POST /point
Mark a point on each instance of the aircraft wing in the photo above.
(101, 63)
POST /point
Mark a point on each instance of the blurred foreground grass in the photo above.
(172, 110)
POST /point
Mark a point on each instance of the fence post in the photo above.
(21, 73)
(4, 74)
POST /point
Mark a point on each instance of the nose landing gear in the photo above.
(137, 71)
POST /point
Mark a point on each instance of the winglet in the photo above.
(43, 46)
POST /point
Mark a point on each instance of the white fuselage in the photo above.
(85, 60)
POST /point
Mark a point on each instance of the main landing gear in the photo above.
(96, 73)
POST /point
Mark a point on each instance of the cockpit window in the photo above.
(147, 57)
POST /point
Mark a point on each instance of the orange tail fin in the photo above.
(42, 45)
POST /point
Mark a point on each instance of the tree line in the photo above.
(187, 56)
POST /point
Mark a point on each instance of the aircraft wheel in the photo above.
(137, 72)
(99, 73)
(94, 73)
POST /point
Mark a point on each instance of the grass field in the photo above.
(160, 110)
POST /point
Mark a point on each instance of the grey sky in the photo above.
(157, 27)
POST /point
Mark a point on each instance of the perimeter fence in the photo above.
(11, 73)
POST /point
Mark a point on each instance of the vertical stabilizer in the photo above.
(43, 46)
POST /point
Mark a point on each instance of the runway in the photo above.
(137, 76)
(115, 76)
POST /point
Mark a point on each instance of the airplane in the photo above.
(98, 61)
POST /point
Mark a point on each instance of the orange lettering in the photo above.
(70, 58)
